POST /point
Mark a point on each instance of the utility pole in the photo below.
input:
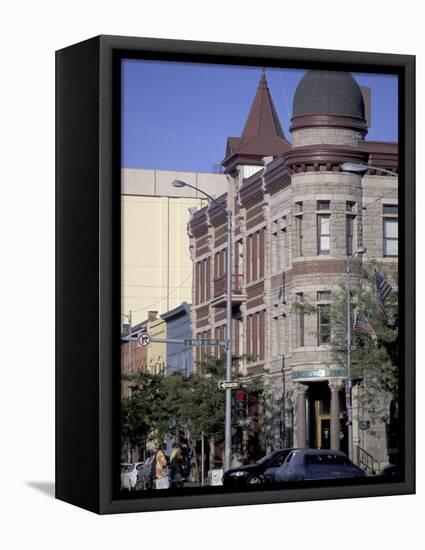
(228, 397)
(228, 415)
(348, 398)
(129, 372)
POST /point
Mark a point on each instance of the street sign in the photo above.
(144, 339)
(203, 342)
(228, 385)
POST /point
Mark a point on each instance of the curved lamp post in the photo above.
(359, 168)
(228, 410)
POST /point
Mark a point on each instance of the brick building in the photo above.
(296, 219)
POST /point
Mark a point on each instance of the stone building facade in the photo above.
(297, 218)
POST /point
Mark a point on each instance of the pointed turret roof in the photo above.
(262, 135)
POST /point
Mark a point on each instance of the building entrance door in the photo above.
(319, 417)
(324, 432)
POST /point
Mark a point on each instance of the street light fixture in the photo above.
(228, 406)
(359, 168)
(348, 393)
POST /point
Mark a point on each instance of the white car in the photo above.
(129, 475)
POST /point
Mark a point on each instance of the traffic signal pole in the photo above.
(228, 411)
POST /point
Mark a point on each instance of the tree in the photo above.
(163, 406)
(374, 363)
(142, 415)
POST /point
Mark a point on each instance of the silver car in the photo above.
(312, 464)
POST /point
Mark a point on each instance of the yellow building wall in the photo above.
(157, 352)
(156, 269)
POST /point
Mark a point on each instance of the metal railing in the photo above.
(220, 285)
(367, 461)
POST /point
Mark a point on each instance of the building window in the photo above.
(323, 234)
(350, 206)
(349, 235)
(300, 300)
(198, 282)
(208, 278)
(323, 317)
(391, 209)
(261, 252)
(261, 315)
(299, 226)
(323, 205)
(390, 237)
(324, 296)
(323, 324)
(254, 272)
(299, 223)
(390, 229)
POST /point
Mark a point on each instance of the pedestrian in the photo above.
(160, 469)
(186, 459)
(176, 466)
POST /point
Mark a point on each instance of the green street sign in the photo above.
(202, 342)
(228, 385)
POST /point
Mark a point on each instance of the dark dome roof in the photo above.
(328, 93)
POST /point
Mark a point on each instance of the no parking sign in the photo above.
(144, 339)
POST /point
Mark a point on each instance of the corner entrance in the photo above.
(319, 417)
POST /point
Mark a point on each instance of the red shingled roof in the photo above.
(262, 135)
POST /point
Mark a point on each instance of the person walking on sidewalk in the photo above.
(176, 466)
(160, 464)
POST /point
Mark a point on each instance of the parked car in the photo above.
(312, 464)
(252, 474)
(129, 475)
(391, 472)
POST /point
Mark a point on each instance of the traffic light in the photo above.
(240, 398)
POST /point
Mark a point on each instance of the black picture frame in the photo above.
(88, 266)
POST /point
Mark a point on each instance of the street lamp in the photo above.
(359, 168)
(348, 393)
(228, 406)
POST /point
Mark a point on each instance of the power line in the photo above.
(163, 297)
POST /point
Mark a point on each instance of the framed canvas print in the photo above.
(235, 274)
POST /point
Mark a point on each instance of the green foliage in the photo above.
(166, 405)
(375, 364)
(140, 415)
(303, 307)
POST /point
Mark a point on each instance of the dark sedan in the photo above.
(252, 474)
(312, 464)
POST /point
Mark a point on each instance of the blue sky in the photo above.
(177, 116)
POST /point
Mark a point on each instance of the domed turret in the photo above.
(328, 99)
(328, 93)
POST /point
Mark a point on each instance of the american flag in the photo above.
(363, 324)
(383, 288)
